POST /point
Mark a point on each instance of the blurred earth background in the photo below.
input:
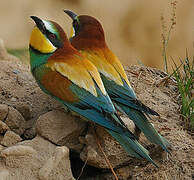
(134, 32)
(132, 28)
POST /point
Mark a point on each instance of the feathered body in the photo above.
(66, 75)
(89, 39)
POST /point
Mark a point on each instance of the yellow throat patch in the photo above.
(39, 42)
(72, 32)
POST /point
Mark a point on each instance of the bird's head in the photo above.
(85, 27)
(46, 36)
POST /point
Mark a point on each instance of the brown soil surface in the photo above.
(18, 89)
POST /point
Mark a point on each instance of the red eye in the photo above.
(52, 36)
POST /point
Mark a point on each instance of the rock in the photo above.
(10, 138)
(3, 111)
(4, 173)
(123, 173)
(29, 133)
(25, 110)
(61, 154)
(1, 137)
(37, 159)
(25, 78)
(61, 128)
(3, 127)
(17, 150)
(15, 121)
(114, 152)
(1, 148)
(17, 82)
(23, 161)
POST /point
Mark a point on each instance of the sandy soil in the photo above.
(18, 89)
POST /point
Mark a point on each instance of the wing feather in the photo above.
(80, 71)
(103, 66)
(115, 79)
(75, 97)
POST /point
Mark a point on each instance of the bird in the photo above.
(88, 37)
(65, 74)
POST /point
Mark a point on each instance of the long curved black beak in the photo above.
(71, 14)
(39, 23)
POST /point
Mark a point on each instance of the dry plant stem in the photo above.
(164, 80)
(82, 169)
(166, 39)
(165, 45)
(106, 159)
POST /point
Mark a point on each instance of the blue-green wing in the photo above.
(77, 99)
(125, 95)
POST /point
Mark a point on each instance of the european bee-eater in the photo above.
(66, 75)
(89, 39)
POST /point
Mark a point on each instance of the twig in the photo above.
(163, 80)
(106, 159)
(82, 168)
(165, 39)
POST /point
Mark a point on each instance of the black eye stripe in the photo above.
(52, 36)
(48, 33)
(53, 39)
(42, 27)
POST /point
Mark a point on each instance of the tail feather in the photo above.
(146, 127)
(132, 147)
(135, 104)
(114, 125)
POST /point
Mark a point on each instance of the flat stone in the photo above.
(61, 128)
(37, 159)
(17, 150)
(25, 110)
(3, 127)
(1, 148)
(60, 154)
(3, 111)
(15, 121)
(4, 173)
(113, 150)
(10, 138)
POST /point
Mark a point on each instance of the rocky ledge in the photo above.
(40, 140)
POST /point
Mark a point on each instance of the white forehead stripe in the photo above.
(47, 25)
